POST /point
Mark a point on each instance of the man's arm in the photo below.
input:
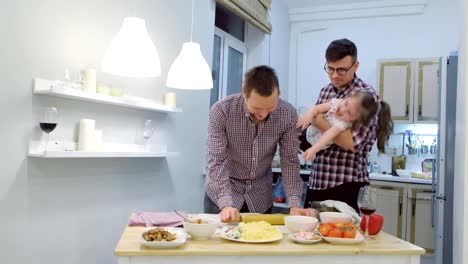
(217, 144)
(344, 140)
(289, 147)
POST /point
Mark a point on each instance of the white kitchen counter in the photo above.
(377, 177)
(387, 177)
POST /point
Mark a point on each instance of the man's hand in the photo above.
(229, 214)
(302, 211)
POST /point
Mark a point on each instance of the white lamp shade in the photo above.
(189, 70)
(132, 53)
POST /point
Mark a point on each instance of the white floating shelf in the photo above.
(53, 88)
(67, 150)
(98, 154)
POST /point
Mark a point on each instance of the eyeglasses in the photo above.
(340, 71)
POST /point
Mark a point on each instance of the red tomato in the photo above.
(349, 233)
(335, 233)
(345, 225)
(376, 222)
(324, 229)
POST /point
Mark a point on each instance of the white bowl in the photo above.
(201, 231)
(181, 237)
(333, 217)
(403, 173)
(299, 223)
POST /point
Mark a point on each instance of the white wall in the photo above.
(271, 49)
(432, 34)
(73, 211)
(279, 44)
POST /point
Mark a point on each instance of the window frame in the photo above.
(228, 41)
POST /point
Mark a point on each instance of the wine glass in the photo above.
(148, 131)
(48, 123)
(367, 202)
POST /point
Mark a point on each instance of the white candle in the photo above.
(86, 134)
(170, 99)
(89, 80)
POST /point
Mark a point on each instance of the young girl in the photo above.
(350, 112)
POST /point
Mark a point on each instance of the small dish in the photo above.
(299, 238)
(181, 238)
(344, 241)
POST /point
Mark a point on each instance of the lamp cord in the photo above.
(191, 27)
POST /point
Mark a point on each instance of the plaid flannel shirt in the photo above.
(334, 166)
(239, 155)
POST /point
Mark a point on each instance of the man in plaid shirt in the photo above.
(243, 132)
(341, 170)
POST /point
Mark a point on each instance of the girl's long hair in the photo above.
(369, 108)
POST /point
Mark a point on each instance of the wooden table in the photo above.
(381, 249)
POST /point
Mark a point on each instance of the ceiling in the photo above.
(315, 3)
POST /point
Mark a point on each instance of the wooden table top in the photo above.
(381, 244)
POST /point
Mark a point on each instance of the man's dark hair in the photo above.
(262, 79)
(340, 48)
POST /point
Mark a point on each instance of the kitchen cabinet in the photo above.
(390, 205)
(411, 88)
(407, 211)
(420, 227)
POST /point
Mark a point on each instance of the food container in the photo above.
(333, 217)
(433, 149)
(424, 149)
(427, 164)
(398, 162)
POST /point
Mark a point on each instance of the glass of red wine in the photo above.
(367, 202)
(48, 123)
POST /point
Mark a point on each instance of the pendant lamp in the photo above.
(131, 53)
(190, 71)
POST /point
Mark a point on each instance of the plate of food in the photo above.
(163, 237)
(253, 232)
(345, 241)
(343, 233)
(305, 237)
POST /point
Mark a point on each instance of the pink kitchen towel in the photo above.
(156, 219)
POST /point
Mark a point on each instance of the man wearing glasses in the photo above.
(340, 170)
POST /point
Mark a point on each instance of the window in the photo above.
(229, 55)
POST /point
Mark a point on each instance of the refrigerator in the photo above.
(442, 184)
